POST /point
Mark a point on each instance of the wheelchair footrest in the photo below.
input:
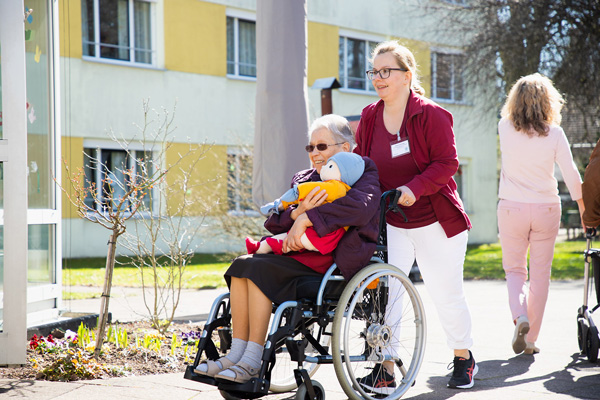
(252, 389)
(191, 375)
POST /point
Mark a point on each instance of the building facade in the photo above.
(201, 56)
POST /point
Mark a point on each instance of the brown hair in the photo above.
(404, 58)
(533, 104)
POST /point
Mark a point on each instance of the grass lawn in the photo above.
(69, 295)
(206, 270)
(485, 261)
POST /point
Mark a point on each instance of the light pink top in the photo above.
(527, 174)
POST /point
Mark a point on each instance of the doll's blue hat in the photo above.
(351, 166)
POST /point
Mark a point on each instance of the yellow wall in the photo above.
(323, 57)
(208, 179)
(195, 37)
(69, 13)
(72, 154)
(209, 164)
(422, 55)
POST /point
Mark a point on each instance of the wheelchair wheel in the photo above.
(302, 392)
(592, 343)
(228, 396)
(364, 331)
(282, 376)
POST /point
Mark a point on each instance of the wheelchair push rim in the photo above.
(362, 334)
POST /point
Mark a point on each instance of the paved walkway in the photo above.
(558, 372)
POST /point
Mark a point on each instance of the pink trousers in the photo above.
(532, 226)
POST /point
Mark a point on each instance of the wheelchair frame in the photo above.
(359, 333)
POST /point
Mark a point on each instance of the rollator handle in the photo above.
(590, 233)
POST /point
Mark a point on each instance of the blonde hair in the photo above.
(404, 58)
(533, 104)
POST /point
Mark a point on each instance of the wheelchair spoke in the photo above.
(382, 319)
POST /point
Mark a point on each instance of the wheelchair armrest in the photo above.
(328, 277)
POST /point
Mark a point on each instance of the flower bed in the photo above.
(130, 349)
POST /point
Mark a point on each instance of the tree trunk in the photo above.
(110, 265)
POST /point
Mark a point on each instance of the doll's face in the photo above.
(330, 171)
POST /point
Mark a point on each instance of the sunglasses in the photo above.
(321, 146)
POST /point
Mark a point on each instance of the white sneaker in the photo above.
(521, 329)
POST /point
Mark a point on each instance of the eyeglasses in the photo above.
(384, 73)
(321, 146)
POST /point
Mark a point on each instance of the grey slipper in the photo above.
(213, 367)
(242, 371)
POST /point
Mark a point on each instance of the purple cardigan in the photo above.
(359, 209)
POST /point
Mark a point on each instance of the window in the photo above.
(354, 61)
(239, 181)
(457, 2)
(118, 30)
(461, 183)
(107, 170)
(241, 47)
(446, 76)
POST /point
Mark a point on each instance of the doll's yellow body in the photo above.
(334, 188)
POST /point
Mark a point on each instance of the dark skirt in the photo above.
(280, 278)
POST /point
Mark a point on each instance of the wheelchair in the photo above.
(345, 326)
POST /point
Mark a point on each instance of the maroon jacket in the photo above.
(591, 190)
(433, 149)
(358, 209)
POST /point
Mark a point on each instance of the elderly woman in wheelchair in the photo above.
(303, 287)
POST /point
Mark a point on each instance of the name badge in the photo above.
(400, 148)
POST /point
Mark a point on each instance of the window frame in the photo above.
(366, 39)
(131, 34)
(131, 154)
(238, 15)
(237, 152)
(452, 86)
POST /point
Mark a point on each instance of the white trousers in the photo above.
(440, 261)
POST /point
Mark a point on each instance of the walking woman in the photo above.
(531, 142)
(411, 140)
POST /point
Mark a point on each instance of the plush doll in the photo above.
(341, 171)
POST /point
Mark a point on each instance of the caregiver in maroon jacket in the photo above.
(411, 140)
(257, 280)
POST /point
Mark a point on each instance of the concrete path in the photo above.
(558, 372)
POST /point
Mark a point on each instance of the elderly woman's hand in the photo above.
(293, 241)
(315, 198)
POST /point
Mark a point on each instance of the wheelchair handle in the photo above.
(393, 206)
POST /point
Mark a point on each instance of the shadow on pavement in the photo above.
(505, 373)
(585, 387)
(17, 388)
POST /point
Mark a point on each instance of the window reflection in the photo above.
(40, 257)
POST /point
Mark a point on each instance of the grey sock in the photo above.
(252, 356)
(238, 346)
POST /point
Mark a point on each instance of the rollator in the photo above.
(587, 331)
